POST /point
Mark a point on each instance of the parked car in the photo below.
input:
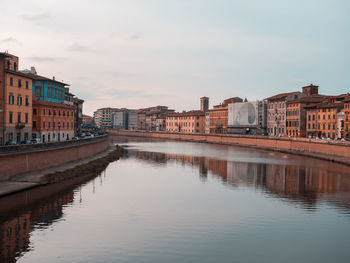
(25, 142)
(82, 135)
(96, 134)
(35, 140)
(88, 134)
(75, 138)
(11, 143)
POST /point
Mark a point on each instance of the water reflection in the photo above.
(301, 184)
(145, 208)
(36, 209)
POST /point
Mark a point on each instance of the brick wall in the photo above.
(302, 145)
(19, 163)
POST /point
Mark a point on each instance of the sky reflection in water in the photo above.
(187, 202)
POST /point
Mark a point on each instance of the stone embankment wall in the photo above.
(29, 158)
(330, 150)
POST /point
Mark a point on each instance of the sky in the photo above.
(140, 53)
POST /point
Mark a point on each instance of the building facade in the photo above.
(327, 119)
(186, 122)
(147, 118)
(15, 101)
(277, 109)
(161, 123)
(204, 104)
(297, 115)
(132, 122)
(347, 117)
(52, 121)
(218, 116)
(247, 118)
(78, 117)
(88, 120)
(120, 120)
(103, 117)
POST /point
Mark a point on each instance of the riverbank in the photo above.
(24, 159)
(333, 151)
(89, 166)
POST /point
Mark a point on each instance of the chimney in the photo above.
(53, 78)
(33, 70)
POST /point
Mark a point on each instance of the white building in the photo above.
(247, 118)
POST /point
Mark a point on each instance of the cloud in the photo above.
(36, 18)
(10, 40)
(135, 36)
(42, 59)
(78, 48)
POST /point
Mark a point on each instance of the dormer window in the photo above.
(15, 66)
(8, 64)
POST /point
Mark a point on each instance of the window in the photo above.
(19, 99)
(34, 124)
(19, 117)
(26, 117)
(11, 98)
(10, 117)
(8, 65)
(27, 101)
(44, 124)
(19, 83)
(15, 66)
(27, 84)
(11, 81)
(34, 111)
(38, 91)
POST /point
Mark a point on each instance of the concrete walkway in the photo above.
(29, 180)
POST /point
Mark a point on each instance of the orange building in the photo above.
(218, 116)
(15, 101)
(347, 117)
(327, 119)
(186, 122)
(296, 114)
(311, 120)
(52, 121)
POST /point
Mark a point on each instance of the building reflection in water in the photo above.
(301, 184)
(14, 233)
(31, 210)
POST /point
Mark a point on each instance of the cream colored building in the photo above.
(186, 122)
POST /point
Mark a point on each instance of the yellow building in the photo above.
(186, 122)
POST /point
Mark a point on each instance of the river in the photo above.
(167, 201)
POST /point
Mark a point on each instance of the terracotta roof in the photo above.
(309, 99)
(38, 77)
(18, 73)
(188, 113)
(282, 95)
(51, 104)
(330, 105)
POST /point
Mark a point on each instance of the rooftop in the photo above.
(188, 113)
